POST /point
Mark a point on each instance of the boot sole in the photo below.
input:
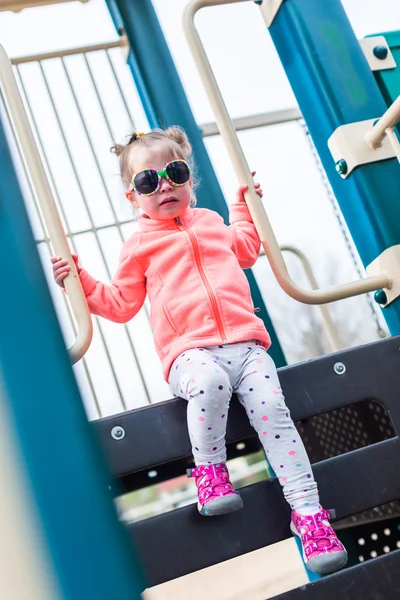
(221, 506)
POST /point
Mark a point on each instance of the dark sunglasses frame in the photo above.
(160, 174)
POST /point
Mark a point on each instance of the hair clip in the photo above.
(140, 133)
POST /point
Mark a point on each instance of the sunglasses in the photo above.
(147, 182)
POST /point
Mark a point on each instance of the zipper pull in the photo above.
(177, 219)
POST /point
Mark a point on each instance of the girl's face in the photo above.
(169, 201)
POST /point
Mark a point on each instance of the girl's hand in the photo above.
(61, 269)
(244, 188)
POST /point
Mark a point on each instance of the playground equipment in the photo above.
(181, 542)
(374, 136)
(40, 184)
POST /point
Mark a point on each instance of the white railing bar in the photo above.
(275, 117)
(46, 240)
(256, 207)
(86, 204)
(327, 322)
(20, 123)
(113, 211)
(74, 169)
(99, 99)
(76, 232)
(89, 214)
(121, 91)
(19, 60)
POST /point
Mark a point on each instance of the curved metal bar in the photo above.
(394, 140)
(375, 137)
(329, 326)
(256, 208)
(21, 126)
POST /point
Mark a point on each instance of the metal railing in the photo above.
(328, 325)
(44, 196)
(276, 117)
(256, 208)
(48, 218)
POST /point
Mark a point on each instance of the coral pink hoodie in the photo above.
(191, 268)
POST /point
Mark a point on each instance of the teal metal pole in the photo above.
(334, 85)
(90, 551)
(165, 103)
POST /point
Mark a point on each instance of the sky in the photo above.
(297, 204)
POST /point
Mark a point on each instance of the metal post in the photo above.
(165, 103)
(328, 325)
(60, 463)
(334, 86)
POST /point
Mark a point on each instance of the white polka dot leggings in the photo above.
(207, 377)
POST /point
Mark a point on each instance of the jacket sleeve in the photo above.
(122, 299)
(246, 243)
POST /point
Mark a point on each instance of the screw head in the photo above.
(117, 432)
(381, 52)
(341, 167)
(380, 297)
(339, 368)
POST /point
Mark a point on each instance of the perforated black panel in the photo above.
(345, 429)
(377, 539)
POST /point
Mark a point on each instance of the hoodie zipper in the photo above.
(203, 276)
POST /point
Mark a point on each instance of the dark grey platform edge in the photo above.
(180, 542)
(378, 579)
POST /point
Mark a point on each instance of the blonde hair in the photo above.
(174, 138)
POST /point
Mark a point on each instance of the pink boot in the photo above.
(322, 551)
(215, 492)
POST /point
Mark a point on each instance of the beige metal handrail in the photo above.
(257, 211)
(40, 184)
(385, 126)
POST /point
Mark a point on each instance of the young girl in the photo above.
(208, 338)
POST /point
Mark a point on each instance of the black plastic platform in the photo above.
(376, 580)
(181, 541)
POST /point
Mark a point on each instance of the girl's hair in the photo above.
(174, 138)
